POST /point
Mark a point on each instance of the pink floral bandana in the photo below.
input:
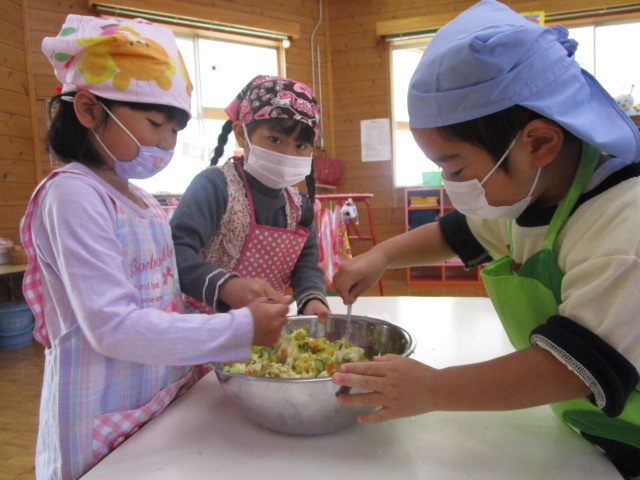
(267, 97)
(123, 60)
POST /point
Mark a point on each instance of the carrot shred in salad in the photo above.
(297, 355)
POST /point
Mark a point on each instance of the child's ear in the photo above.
(88, 109)
(544, 140)
(238, 131)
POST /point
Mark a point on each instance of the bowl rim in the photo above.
(411, 346)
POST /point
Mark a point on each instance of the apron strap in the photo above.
(32, 282)
(247, 190)
(588, 161)
(289, 197)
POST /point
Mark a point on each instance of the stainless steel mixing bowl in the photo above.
(308, 406)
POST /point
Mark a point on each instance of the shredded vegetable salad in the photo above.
(297, 355)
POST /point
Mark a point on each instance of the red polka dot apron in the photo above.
(251, 250)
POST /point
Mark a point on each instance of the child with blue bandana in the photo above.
(543, 169)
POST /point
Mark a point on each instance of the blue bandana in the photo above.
(490, 58)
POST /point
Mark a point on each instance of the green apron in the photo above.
(526, 299)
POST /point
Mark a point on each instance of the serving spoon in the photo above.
(347, 334)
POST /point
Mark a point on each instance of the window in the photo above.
(608, 51)
(218, 69)
(408, 160)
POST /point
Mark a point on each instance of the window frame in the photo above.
(201, 114)
(214, 113)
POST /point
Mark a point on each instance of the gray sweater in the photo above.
(197, 219)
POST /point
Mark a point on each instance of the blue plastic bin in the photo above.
(18, 339)
(16, 325)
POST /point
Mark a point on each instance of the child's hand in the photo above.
(357, 274)
(401, 386)
(269, 316)
(316, 307)
(239, 292)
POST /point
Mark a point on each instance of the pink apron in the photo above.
(266, 252)
(91, 403)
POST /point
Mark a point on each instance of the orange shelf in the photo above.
(452, 272)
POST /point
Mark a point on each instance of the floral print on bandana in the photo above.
(268, 97)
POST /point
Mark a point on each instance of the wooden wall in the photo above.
(355, 85)
(17, 169)
(27, 81)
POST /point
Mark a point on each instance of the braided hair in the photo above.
(222, 141)
(310, 181)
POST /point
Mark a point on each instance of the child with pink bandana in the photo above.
(102, 279)
(241, 231)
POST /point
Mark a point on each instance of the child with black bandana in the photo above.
(241, 231)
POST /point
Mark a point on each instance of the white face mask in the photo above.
(275, 170)
(469, 197)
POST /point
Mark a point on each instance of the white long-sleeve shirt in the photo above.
(85, 282)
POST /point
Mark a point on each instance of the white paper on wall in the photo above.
(375, 138)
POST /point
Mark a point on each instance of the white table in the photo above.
(202, 435)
